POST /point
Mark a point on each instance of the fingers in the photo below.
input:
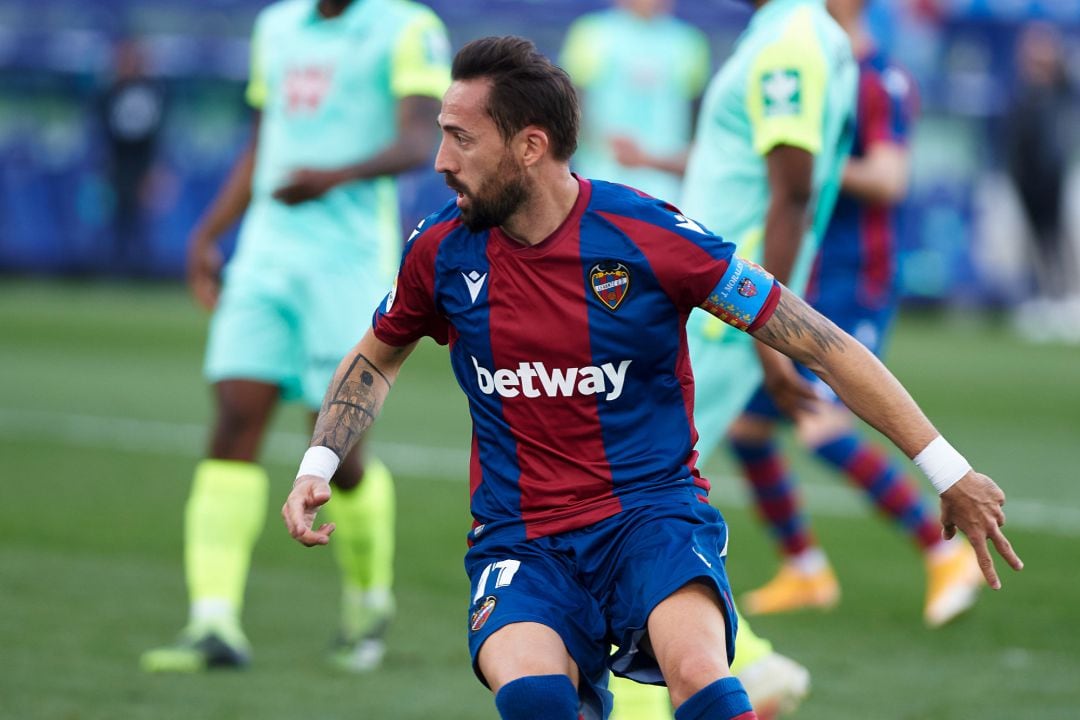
(300, 509)
(986, 562)
(1005, 550)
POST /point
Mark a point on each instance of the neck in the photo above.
(333, 8)
(545, 210)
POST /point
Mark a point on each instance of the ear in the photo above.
(533, 143)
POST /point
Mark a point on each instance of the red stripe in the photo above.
(877, 255)
(568, 485)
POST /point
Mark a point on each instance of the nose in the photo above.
(443, 161)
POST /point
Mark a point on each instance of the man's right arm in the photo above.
(353, 401)
(204, 259)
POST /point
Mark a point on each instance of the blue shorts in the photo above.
(289, 326)
(868, 326)
(596, 586)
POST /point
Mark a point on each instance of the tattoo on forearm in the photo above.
(793, 319)
(352, 405)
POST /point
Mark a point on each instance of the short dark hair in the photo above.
(526, 89)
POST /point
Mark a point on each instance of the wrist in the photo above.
(320, 461)
(942, 464)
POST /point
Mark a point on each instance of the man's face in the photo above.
(475, 160)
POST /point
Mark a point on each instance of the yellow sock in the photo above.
(749, 646)
(225, 514)
(363, 546)
(634, 701)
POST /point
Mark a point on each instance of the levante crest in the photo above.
(610, 280)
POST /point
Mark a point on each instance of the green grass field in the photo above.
(102, 417)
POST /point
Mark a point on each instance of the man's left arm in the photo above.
(970, 501)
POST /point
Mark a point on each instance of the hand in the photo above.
(974, 506)
(791, 392)
(309, 493)
(304, 185)
(204, 263)
(627, 151)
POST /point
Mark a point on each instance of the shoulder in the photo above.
(625, 206)
(430, 233)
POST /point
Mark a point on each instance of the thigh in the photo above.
(523, 592)
(667, 547)
(252, 333)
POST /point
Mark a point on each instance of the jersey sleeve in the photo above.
(745, 297)
(786, 89)
(582, 52)
(887, 106)
(420, 62)
(409, 312)
(257, 91)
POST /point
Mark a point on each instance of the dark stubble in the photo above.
(497, 198)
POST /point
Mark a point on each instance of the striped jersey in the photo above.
(857, 260)
(572, 352)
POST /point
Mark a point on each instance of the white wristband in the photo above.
(319, 461)
(940, 462)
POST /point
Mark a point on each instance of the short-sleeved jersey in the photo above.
(639, 79)
(791, 80)
(572, 352)
(328, 92)
(857, 261)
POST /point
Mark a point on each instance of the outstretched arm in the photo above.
(973, 504)
(353, 401)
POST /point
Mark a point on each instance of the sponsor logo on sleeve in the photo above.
(782, 92)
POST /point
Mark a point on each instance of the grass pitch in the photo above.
(103, 415)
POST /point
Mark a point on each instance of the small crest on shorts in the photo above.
(747, 288)
(610, 281)
(482, 613)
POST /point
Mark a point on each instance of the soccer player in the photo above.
(774, 131)
(855, 286)
(347, 94)
(563, 302)
(640, 71)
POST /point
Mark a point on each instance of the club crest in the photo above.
(610, 282)
(747, 288)
(482, 613)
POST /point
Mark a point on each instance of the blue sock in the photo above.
(538, 697)
(724, 699)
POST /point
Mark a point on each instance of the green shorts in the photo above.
(289, 326)
(726, 374)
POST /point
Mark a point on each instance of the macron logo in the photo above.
(475, 281)
(533, 379)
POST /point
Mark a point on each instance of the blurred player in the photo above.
(855, 285)
(640, 71)
(591, 523)
(348, 97)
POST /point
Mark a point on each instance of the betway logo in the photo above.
(533, 379)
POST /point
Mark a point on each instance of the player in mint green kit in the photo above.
(773, 134)
(640, 71)
(347, 94)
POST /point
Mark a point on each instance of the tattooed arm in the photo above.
(974, 504)
(353, 401)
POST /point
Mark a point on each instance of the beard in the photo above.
(497, 198)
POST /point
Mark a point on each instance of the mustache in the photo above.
(455, 185)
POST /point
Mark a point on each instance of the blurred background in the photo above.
(119, 120)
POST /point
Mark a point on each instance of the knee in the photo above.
(694, 670)
(538, 697)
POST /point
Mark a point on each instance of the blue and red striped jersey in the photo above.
(572, 352)
(857, 259)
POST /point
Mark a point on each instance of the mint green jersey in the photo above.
(791, 80)
(328, 91)
(638, 79)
